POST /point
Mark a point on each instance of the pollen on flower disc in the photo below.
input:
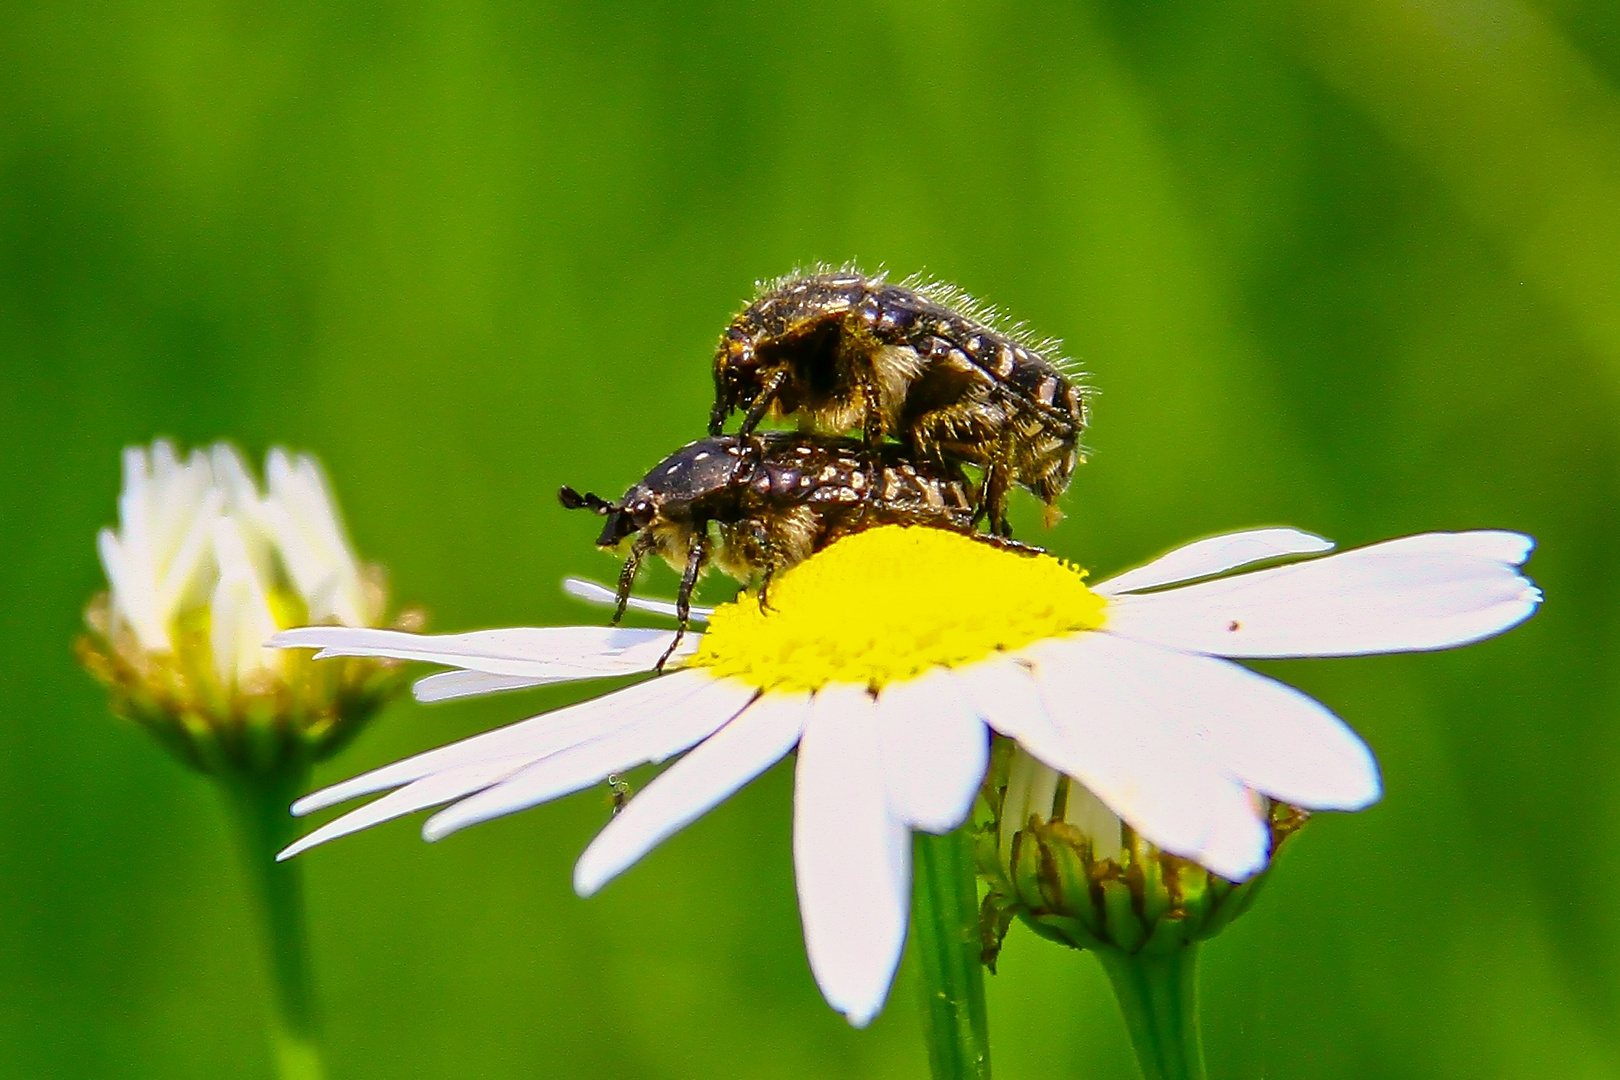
(889, 603)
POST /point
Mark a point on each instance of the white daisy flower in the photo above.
(203, 568)
(888, 660)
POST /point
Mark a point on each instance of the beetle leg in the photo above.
(765, 586)
(872, 442)
(696, 556)
(997, 483)
(930, 516)
(1007, 543)
(723, 407)
(627, 576)
(762, 402)
(773, 560)
(871, 408)
(770, 561)
(978, 511)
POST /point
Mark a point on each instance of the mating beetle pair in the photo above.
(919, 364)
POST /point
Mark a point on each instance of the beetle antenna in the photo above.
(573, 500)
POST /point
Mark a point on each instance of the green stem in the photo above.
(265, 827)
(1159, 997)
(945, 937)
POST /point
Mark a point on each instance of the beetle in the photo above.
(771, 499)
(920, 362)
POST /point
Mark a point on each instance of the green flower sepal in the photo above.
(1073, 873)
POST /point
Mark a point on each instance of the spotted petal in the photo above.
(1432, 591)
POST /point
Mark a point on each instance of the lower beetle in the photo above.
(772, 500)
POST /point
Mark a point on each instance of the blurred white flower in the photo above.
(202, 569)
(888, 660)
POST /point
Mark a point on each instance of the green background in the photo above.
(1352, 265)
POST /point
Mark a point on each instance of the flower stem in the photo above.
(265, 827)
(945, 935)
(1159, 996)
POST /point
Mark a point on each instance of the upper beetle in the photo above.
(916, 361)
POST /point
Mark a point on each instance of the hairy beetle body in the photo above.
(920, 363)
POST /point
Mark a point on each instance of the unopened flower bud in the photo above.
(1060, 860)
(202, 569)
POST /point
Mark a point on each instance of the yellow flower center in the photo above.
(888, 604)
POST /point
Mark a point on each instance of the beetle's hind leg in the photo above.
(778, 557)
(772, 559)
(1007, 543)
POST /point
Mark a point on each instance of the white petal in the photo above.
(1216, 555)
(1106, 701)
(240, 619)
(449, 685)
(112, 558)
(533, 738)
(602, 596)
(432, 790)
(189, 563)
(1095, 821)
(651, 738)
(545, 654)
(851, 858)
(137, 474)
(1492, 545)
(304, 519)
(130, 592)
(1005, 693)
(1422, 592)
(241, 500)
(934, 750)
(1270, 737)
(178, 500)
(165, 460)
(752, 742)
(233, 478)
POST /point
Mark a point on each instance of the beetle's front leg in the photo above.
(696, 556)
(627, 576)
(998, 473)
(762, 402)
(872, 427)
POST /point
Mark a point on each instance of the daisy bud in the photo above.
(1058, 858)
(203, 569)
